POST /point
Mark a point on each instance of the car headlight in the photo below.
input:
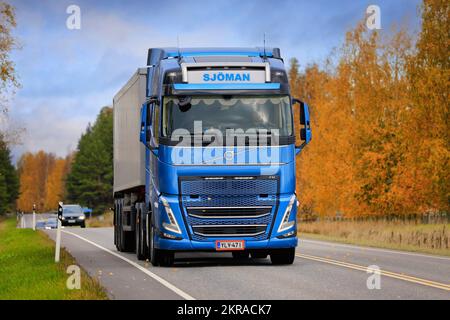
(81, 217)
(62, 218)
(173, 225)
(285, 223)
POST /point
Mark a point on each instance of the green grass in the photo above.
(407, 236)
(28, 270)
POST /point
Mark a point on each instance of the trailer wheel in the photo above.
(115, 221)
(125, 238)
(283, 256)
(127, 241)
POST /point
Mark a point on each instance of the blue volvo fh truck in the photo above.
(204, 155)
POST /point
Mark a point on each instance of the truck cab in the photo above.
(204, 155)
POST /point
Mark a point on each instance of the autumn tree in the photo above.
(428, 129)
(42, 181)
(29, 189)
(55, 185)
(8, 77)
(379, 110)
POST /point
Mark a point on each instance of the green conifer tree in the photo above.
(9, 181)
(90, 181)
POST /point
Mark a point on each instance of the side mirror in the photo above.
(305, 130)
(143, 131)
(145, 134)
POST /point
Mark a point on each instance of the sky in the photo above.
(67, 76)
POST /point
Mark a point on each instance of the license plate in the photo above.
(230, 245)
(71, 221)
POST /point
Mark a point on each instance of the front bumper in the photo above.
(77, 222)
(189, 245)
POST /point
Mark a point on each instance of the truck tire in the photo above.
(153, 252)
(116, 233)
(166, 258)
(283, 256)
(137, 234)
(259, 255)
(141, 250)
(125, 239)
(159, 257)
(240, 255)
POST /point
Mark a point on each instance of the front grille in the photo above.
(228, 212)
(228, 186)
(229, 230)
(229, 201)
(229, 206)
(193, 221)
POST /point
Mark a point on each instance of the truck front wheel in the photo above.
(140, 239)
(283, 256)
(159, 257)
(240, 255)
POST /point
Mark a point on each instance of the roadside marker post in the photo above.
(58, 232)
(34, 217)
(22, 220)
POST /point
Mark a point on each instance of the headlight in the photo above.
(285, 223)
(173, 225)
(81, 217)
(62, 218)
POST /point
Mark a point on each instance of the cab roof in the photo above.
(157, 54)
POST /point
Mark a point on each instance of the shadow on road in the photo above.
(217, 261)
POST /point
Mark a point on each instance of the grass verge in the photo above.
(28, 270)
(407, 236)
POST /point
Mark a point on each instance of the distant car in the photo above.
(40, 224)
(73, 215)
(51, 223)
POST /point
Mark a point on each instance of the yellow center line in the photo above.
(390, 274)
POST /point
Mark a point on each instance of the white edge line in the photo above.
(329, 243)
(165, 283)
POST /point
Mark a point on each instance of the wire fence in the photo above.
(425, 218)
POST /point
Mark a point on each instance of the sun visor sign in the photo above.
(226, 76)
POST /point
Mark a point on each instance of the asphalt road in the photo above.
(322, 270)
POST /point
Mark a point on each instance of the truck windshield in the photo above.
(228, 112)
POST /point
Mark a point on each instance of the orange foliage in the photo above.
(380, 120)
(55, 185)
(42, 181)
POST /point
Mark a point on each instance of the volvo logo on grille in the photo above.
(229, 155)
